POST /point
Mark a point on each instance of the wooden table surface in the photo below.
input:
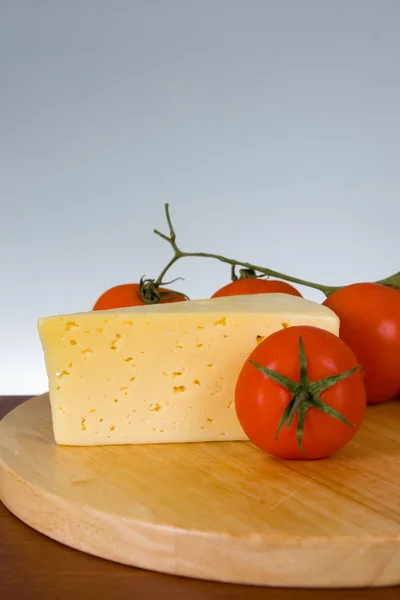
(33, 566)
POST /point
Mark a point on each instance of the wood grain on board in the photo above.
(222, 511)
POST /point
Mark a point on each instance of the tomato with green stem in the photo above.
(301, 394)
(255, 285)
(369, 316)
(136, 294)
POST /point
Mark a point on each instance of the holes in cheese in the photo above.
(169, 375)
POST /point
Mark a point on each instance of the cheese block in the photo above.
(160, 373)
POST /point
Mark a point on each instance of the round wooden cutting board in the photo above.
(222, 511)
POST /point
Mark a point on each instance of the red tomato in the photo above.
(369, 316)
(261, 402)
(256, 286)
(127, 294)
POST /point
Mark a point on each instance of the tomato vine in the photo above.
(246, 269)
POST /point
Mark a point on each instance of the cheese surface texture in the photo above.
(161, 373)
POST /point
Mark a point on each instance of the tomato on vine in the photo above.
(136, 294)
(369, 316)
(253, 285)
(301, 394)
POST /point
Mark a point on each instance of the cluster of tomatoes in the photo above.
(303, 392)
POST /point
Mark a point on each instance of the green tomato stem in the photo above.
(392, 281)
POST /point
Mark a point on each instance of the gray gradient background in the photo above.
(272, 128)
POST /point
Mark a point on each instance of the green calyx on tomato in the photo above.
(244, 274)
(151, 293)
(305, 394)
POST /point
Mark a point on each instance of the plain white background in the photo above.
(271, 127)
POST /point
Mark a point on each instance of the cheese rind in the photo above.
(161, 373)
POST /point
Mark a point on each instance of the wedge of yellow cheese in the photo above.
(160, 373)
